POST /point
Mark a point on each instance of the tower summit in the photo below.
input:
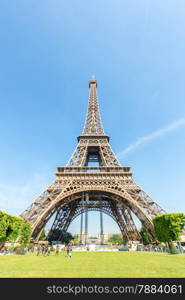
(93, 180)
(93, 123)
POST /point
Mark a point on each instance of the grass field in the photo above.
(94, 264)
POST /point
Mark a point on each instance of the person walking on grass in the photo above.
(70, 252)
(57, 250)
(38, 250)
(45, 250)
(67, 251)
(48, 251)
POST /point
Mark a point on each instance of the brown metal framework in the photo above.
(108, 187)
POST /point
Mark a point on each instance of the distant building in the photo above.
(107, 236)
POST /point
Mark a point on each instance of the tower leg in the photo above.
(86, 226)
(86, 218)
(101, 227)
(81, 229)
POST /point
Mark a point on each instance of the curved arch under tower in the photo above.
(107, 186)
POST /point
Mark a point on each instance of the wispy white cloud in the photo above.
(152, 136)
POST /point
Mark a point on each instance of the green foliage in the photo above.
(161, 245)
(76, 236)
(13, 228)
(145, 237)
(16, 247)
(75, 241)
(4, 224)
(42, 236)
(9, 227)
(3, 229)
(19, 249)
(25, 233)
(30, 246)
(116, 239)
(168, 227)
(67, 238)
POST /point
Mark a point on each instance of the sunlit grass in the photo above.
(94, 264)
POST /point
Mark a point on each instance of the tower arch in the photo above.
(109, 180)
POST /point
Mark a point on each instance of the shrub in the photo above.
(116, 239)
(19, 249)
(3, 230)
(168, 228)
(52, 248)
(14, 226)
(25, 233)
(9, 227)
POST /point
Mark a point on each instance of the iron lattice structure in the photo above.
(79, 187)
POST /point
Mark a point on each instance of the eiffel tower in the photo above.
(79, 187)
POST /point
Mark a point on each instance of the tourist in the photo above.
(67, 250)
(57, 250)
(45, 250)
(48, 250)
(38, 250)
(70, 252)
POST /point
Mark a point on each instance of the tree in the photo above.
(13, 228)
(25, 233)
(63, 237)
(76, 240)
(4, 226)
(3, 229)
(9, 227)
(168, 228)
(66, 238)
(43, 235)
(116, 239)
(145, 237)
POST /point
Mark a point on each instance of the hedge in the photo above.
(168, 227)
(25, 233)
(13, 228)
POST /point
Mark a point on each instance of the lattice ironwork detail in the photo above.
(110, 181)
(120, 214)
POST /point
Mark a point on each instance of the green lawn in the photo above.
(94, 264)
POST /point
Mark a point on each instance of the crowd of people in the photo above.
(4, 251)
(39, 249)
(45, 250)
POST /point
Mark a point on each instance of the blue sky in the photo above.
(49, 50)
